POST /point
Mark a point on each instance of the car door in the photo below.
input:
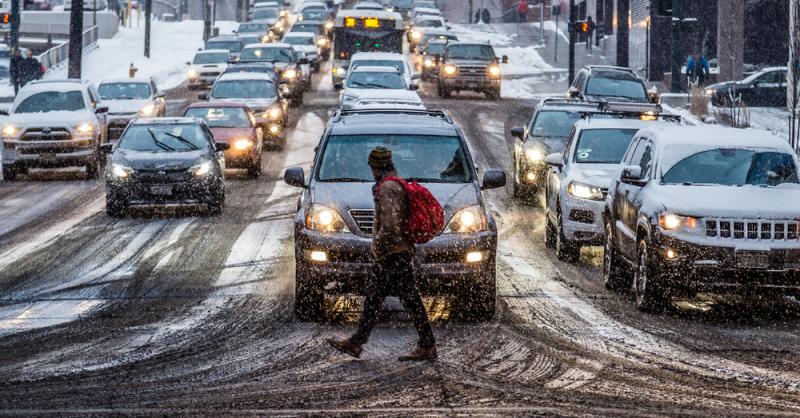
(628, 199)
(559, 178)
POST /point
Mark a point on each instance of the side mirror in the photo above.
(202, 96)
(106, 148)
(232, 60)
(631, 174)
(3, 112)
(493, 179)
(101, 109)
(413, 86)
(304, 61)
(295, 176)
(518, 132)
(437, 58)
(338, 85)
(652, 94)
(505, 59)
(221, 146)
(554, 160)
(573, 93)
(160, 96)
(415, 76)
(188, 63)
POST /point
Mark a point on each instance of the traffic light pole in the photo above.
(677, 59)
(148, 10)
(573, 21)
(75, 39)
(14, 22)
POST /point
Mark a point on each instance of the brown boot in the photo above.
(420, 354)
(346, 346)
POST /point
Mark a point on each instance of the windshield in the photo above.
(404, 4)
(267, 54)
(221, 117)
(381, 63)
(164, 138)
(233, 46)
(243, 89)
(250, 69)
(554, 124)
(603, 146)
(124, 91)
(251, 27)
(52, 101)
(482, 52)
(211, 58)
(368, 80)
(434, 158)
(299, 40)
(314, 14)
(429, 23)
(734, 167)
(266, 13)
(433, 49)
(306, 28)
(615, 87)
(247, 40)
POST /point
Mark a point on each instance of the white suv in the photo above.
(56, 123)
(206, 66)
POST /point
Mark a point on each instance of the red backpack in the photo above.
(425, 214)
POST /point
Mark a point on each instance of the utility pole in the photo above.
(94, 13)
(677, 59)
(14, 21)
(206, 19)
(623, 33)
(541, 22)
(573, 21)
(558, 20)
(75, 39)
(469, 12)
(148, 11)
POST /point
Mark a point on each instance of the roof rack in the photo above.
(644, 111)
(392, 111)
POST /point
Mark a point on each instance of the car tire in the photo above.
(615, 275)
(477, 303)
(9, 174)
(493, 94)
(254, 171)
(566, 250)
(297, 100)
(93, 170)
(442, 91)
(308, 296)
(114, 208)
(217, 202)
(549, 232)
(649, 291)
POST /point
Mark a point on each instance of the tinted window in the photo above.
(243, 89)
(211, 58)
(616, 87)
(266, 14)
(221, 117)
(299, 27)
(552, 123)
(399, 65)
(267, 54)
(52, 101)
(123, 91)
(299, 40)
(734, 167)
(233, 46)
(433, 49)
(603, 146)
(367, 80)
(470, 52)
(429, 24)
(164, 138)
(317, 14)
(439, 158)
(251, 27)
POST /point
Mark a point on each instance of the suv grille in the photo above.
(365, 219)
(472, 71)
(752, 229)
(46, 134)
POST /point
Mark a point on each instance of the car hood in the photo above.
(126, 106)
(599, 175)
(346, 196)
(61, 118)
(308, 49)
(229, 134)
(251, 103)
(468, 62)
(139, 160)
(747, 202)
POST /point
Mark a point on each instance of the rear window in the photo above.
(266, 14)
(233, 46)
(211, 58)
(623, 88)
(243, 89)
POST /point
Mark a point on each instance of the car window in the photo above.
(251, 27)
(4, 72)
(211, 58)
(266, 13)
(299, 27)
(370, 80)
(429, 24)
(484, 52)
(602, 146)
(52, 101)
(124, 91)
(313, 14)
(437, 158)
(399, 65)
(243, 89)
(233, 46)
(643, 157)
(267, 54)
(434, 49)
(221, 117)
(616, 87)
(554, 123)
(772, 77)
(734, 167)
(579, 79)
(299, 40)
(164, 138)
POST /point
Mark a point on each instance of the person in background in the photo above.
(591, 26)
(697, 69)
(31, 69)
(522, 8)
(15, 68)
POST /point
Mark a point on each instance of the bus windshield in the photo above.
(361, 38)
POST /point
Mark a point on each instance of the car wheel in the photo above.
(93, 170)
(114, 208)
(255, 168)
(549, 231)
(297, 100)
(477, 303)
(217, 202)
(615, 276)
(308, 296)
(649, 292)
(566, 250)
(9, 174)
(493, 94)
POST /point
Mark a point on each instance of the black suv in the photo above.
(333, 224)
(469, 66)
(608, 83)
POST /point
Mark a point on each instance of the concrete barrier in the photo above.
(57, 23)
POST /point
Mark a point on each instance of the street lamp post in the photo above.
(94, 13)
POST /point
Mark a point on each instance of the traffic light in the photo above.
(581, 26)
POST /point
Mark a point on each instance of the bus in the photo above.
(364, 30)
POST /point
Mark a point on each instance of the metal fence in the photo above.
(59, 54)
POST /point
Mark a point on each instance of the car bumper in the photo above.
(135, 193)
(241, 159)
(439, 264)
(49, 154)
(703, 266)
(470, 83)
(583, 220)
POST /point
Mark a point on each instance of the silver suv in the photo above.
(58, 123)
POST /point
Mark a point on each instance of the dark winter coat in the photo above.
(390, 233)
(15, 67)
(31, 70)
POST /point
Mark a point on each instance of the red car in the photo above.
(234, 124)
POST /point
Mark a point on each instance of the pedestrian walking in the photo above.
(697, 69)
(590, 28)
(393, 267)
(31, 69)
(522, 8)
(15, 69)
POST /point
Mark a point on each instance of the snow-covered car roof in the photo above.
(143, 80)
(367, 104)
(244, 75)
(621, 123)
(390, 95)
(418, 10)
(299, 35)
(375, 69)
(423, 18)
(272, 45)
(212, 51)
(53, 85)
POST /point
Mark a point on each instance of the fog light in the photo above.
(531, 176)
(671, 254)
(474, 257)
(319, 256)
(242, 144)
(274, 129)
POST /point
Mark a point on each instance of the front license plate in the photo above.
(752, 259)
(49, 157)
(161, 190)
(472, 85)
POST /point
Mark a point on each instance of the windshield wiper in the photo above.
(345, 180)
(158, 143)
(183, 140)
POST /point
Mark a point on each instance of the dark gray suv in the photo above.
(333, 224)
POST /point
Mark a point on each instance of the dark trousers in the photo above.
(393, 275)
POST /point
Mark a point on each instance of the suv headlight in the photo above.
(322, 42)
(672, 222)
(585, 191)
(416, 36)
(290, 74)
(534, 155)
(201, 169)
(450, 69)
(192, 73)
(323, 219)
(494, 71)
(11, 131)
(120, 171)
(148, 110)
(348, 98)
(84, 130)
(466, 221)
(273, 113)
